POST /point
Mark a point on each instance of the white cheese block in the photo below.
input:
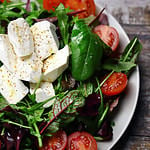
(29, 68)
(55, 65)
(45, 39)
(21, 38)
(44, 92)
(11, 88)
(7, 54)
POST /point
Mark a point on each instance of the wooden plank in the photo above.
(127, 11)
(133, 143)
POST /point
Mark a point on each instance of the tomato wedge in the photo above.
(109, 35)
(81, 141)
(89, 5)
(57, 142)
(4, 0)
(115, 84)
(51, 4)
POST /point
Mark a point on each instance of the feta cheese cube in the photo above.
(21, 38)
(45, 39)
(55, 64)
(44, 92)
(29, 68)
(11, 88)
(7, 54)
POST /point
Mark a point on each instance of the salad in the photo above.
(61, 75)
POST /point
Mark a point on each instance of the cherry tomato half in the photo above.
(89, 5)
(108, 34)
(57, 142)
(115, 84)
(4, 0)
(81, 141)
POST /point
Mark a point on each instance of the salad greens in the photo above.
(63, 22)
(82, 104)
(87, 50)
(127, 59)
(67, 105)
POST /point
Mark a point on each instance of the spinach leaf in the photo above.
(63, 22)
(87, 50)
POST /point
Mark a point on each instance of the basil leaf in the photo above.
(131, 51)
(63, 22)
(87, 50)
(118, 66)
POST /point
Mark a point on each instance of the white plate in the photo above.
(128, 104)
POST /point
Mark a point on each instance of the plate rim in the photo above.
(98, 7)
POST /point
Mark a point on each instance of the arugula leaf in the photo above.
(86, 88)
(120, 66)
(63, 22)
(103, 116)
(127, 59)
(101, 107)
(131, 51)
(87, 50)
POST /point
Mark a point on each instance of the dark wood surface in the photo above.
(134, 16)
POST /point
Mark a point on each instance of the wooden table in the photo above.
(134, 16)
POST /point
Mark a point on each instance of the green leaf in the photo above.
(32, 97)
(103, 116)
(89, 19)
(63, 22)
(78, 101)
(3, 102)
(65, 109)
(54, 127)
(131, 51)
(40, 2)
(101, 107)
(2, 31)
(38, 114)
(118, 66)
(87, 50)
(86, 88)
(10, 14)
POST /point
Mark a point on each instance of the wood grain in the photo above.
(128, 11)
(134, 16)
